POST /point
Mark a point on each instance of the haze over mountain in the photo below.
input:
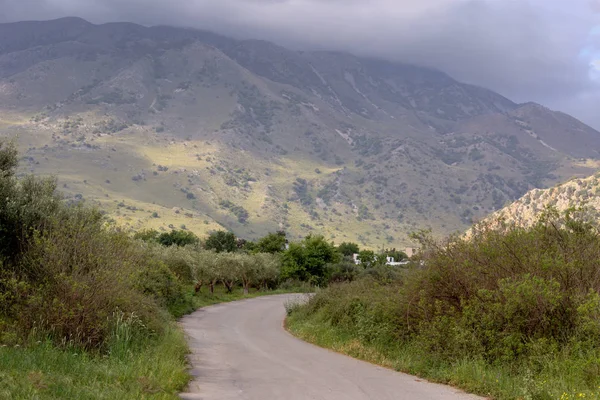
(166, 125)
(528, 50)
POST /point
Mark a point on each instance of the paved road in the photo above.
(241, 351)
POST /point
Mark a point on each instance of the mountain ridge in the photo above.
(255, 137)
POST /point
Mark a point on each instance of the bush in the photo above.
(177, 238)
(72, 280)
(509, 288)
(344, 271)
(502, 294)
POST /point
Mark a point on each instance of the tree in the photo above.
(269, 269)
(396, 254)
(27, 206)
(247, 268)
(272, 243)
(147, 235)
(348, 249)
(221, 242)
(307, 260)
(367, 258)
(227, 269)
(205, 271)
(179, 238)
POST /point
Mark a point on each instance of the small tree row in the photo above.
(230, 269)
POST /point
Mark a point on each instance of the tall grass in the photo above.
(154, 369)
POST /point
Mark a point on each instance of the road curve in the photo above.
(241, 351)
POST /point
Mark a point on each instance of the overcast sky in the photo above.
(528, 50)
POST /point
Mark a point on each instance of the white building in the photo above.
(389, 261)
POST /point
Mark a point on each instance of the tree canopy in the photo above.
(348, 249)
(221, 242)
(307, 260)
(272, 243)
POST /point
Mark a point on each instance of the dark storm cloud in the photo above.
(525, 49)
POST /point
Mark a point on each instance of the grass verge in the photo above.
(153, 369)
(553, 380)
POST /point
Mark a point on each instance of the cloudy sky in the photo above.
(529, 50)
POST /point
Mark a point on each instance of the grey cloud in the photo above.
(525, 49)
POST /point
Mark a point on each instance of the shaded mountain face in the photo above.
(164, 126)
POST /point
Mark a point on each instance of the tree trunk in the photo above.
(211, 287)
(246, 288)
(198, 286)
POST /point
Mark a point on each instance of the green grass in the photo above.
(157, 370)
(556, 376)
(154, 369)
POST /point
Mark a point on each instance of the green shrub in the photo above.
(74, 278)
(524, 301)
(177, 238)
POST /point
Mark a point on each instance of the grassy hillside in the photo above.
(209, 131)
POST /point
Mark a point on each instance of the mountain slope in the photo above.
(578, 193)
(167, 126)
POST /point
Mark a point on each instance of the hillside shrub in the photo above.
(72, 280)
(526, 300)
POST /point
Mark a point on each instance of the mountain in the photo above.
(577, 193)
(165, 126)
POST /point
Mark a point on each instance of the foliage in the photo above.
(177, 238)
(522, 302)
(221, 241)
(348, 249)
(240, 212)
(368, 259)
(26, 206)
(272, 243)
(343, 271)
(147, 235)
(397, 255)
(307, 260)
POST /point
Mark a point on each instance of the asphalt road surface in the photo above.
(241, 351)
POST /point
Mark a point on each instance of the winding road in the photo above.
(241, 351)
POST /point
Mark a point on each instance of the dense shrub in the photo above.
(505, 295)
(307, 260)
(73, 279)
(178, 238)
(26, 205)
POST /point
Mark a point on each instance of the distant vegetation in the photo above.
(71, 282)
(509, 312)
